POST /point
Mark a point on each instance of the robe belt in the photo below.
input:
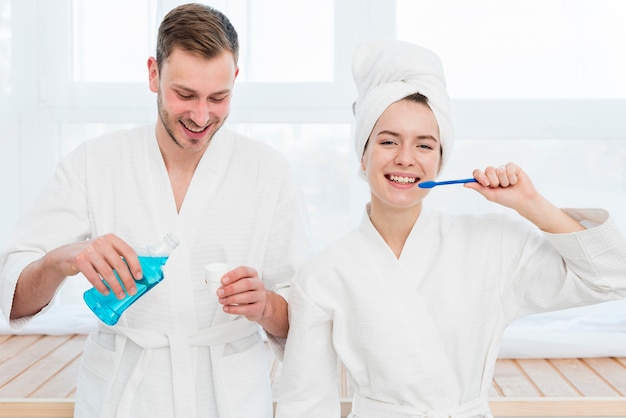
(180, 344)
(363, 407)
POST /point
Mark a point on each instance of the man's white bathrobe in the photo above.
(419, 335)
(164, 358)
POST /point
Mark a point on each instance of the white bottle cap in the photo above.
(213, 274)
(164, 247)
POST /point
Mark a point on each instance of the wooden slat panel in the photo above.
(510, 379)
(533, 407)
(61, 385)
(345, 388)
(517, 390)
(18, 354)
(493, 391)
(55, 375)
(36, 408)
(38, 363)
(559, 407)
(583, 378)
(16, 345)
(612, 371)
(547, 379)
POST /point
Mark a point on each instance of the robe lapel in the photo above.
(185, 224)
(436, 363)
(415, 265)
(408, 272)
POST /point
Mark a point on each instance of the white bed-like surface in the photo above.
(591, 331)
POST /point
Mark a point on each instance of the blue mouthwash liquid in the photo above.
(109, 308)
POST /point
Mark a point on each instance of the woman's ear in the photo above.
(364, 156)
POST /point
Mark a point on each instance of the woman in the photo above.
(414, 303)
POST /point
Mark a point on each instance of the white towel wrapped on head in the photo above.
(388, 71)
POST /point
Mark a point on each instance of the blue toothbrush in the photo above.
(431, 184)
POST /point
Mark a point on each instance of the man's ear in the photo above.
(153, 75)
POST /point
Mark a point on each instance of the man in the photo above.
(225, 197)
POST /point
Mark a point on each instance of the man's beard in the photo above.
(168, 124)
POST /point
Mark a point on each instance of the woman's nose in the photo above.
(405, 156)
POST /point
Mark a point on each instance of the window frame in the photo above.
(43, 97)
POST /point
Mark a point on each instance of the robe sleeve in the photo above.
(58, 217)
(308, 381)
(289, 244)
(570, 270)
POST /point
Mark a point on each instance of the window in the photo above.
(543, 93)
(281, 41)
(579, 172)
(284, 41)
(121, 55)
(518, 49)
(5, 47)
(285, 68)
(537, 82)
(320, 155)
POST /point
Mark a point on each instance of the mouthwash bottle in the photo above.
(109, 308)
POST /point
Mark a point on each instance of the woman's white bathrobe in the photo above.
(163, 358)
(419, 335)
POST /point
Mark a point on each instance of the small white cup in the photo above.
(213, 274)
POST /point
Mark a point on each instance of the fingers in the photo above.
(497, 176)
(243, 293)
(501, 176)
(239, 273)
(107, 262)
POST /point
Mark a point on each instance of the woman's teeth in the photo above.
(402, 180)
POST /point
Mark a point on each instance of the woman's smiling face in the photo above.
(402, 150)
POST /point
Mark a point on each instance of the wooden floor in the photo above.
(37, 379)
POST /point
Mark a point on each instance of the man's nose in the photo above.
(200, 114)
